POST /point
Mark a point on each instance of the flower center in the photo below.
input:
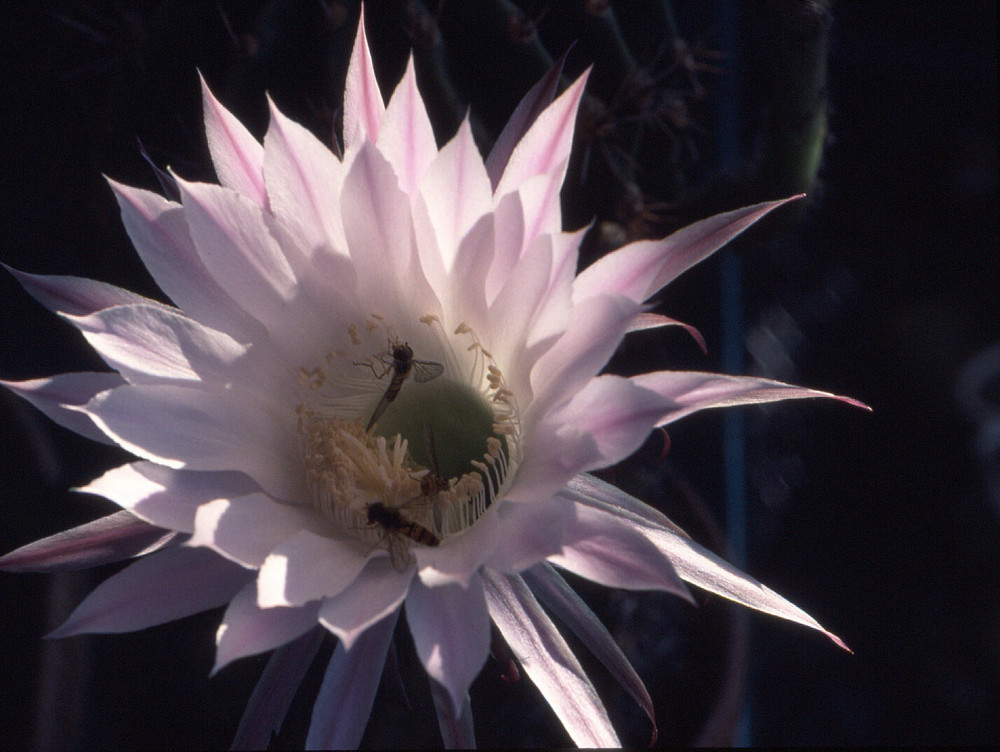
(402, 450)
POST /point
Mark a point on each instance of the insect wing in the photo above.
(425, 370)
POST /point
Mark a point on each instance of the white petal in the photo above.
(74, 295)
(246, 529)
(547, 659)
(166, 497)
(455, 191)
(605, 549)
(304, 181)
(406, 137)
(363, 107)
(455, 560)
(200, 429)
(57, 396)
(345, 698)
(639, 269)
(508, 242)
(378, 591)
(159, 231)
(247, 629)
(164, 586)
(690, 391)
(307, 567)
(152, 343)
(451, 632)
(237, 156)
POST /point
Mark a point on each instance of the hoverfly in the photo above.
(402, 363)
(395, 527)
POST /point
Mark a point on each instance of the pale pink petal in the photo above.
(275, 689)
(693, 563)
(508, 242)
(527, 111)
(363, 107)
(345, 698)
(455, 192)
(109, 539)
(247, 629)
(236, 154)
(654, 320)
(466, 285)
(584, 348)
(246, 529)
(159, 230)
(548, 661)
(406, 137)
(641, 268)
(615, 412)
(58, 396)
(603, 548)
(556, 311)
(457, 728)
(74, 295)
(167, 585)
(166, 497)
(378, 591)
(691, 391)
(531, 533)
(518, 301)
(304, 180)
(232, 239)
(307, 567)
(559, 598)
(455, 560)
(451, 632)
(152, 343)
(379, 229)
(544, 150)
(200, 429)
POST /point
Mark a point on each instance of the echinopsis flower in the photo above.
(380, 387)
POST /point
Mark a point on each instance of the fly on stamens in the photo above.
(402, 363)
(395, 527)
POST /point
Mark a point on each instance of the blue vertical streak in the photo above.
(731, 305)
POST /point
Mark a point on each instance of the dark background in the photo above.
(882, 285)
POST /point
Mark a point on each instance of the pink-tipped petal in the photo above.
(74, 295)
(457, 172)
(641, 268)
(548, 661)
(527, 111)
(690, 391)
(60, 398)
(236, 154)
(451, 632)
(363, 107)
(646, 321)
(694, 563)
(170, 584)
(406, 137)
(304, 180)
(159, 230)
(109, 539)
(247, 629)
